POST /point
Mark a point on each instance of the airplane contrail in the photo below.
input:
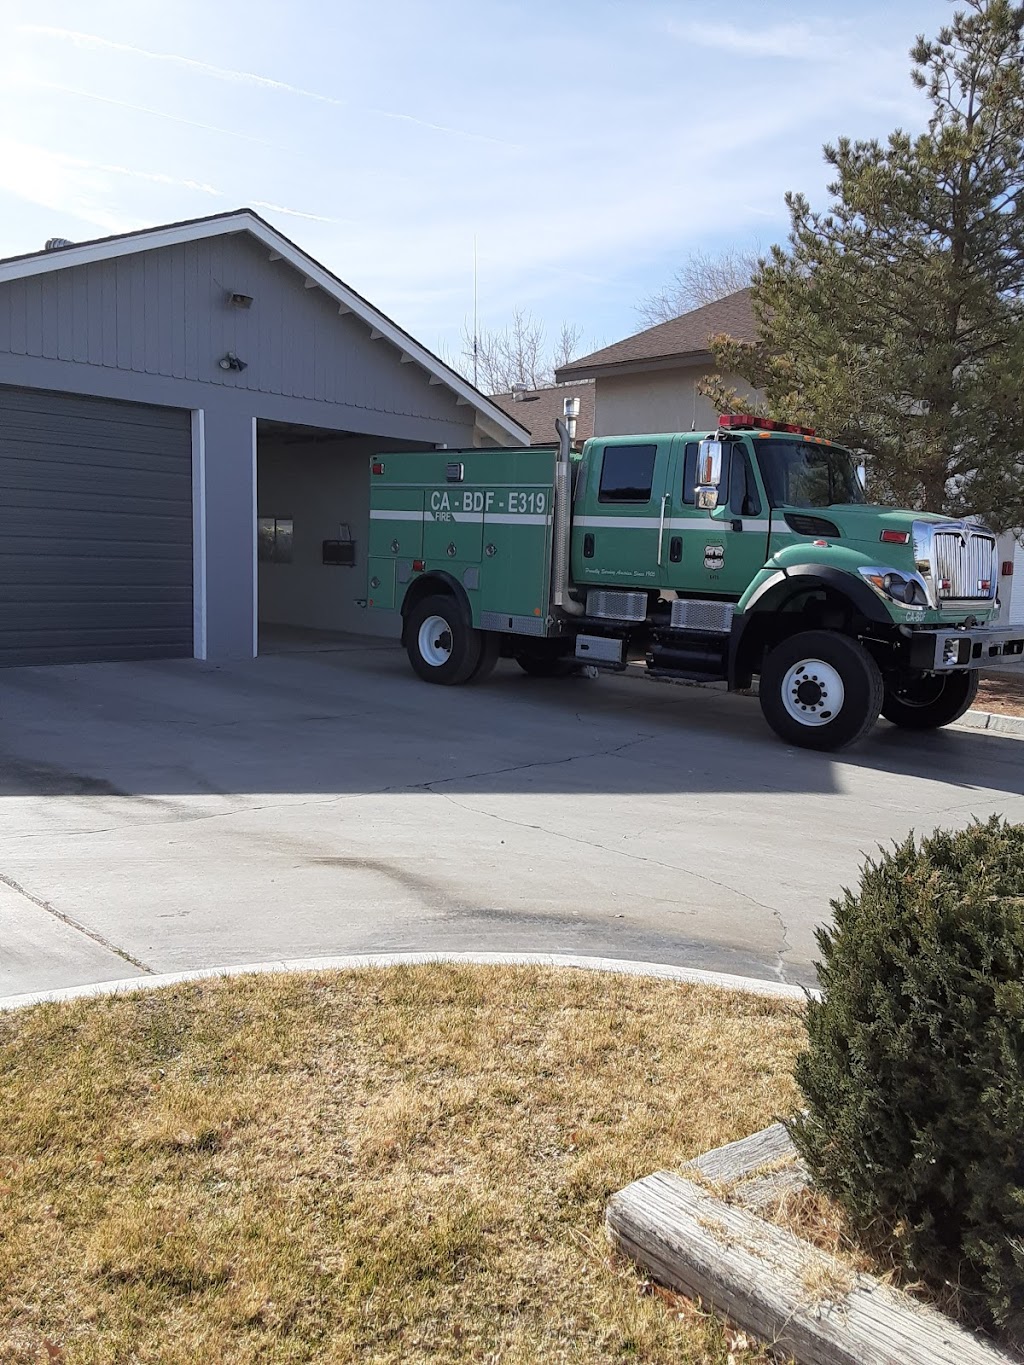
(252, 78)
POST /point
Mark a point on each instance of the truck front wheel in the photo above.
(924, 702)
(442, 647)
(820, 690)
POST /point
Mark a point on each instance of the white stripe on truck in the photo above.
(491, 518)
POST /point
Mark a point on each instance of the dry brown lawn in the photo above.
(408, 1164)
(1002, 693)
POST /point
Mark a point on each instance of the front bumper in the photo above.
(938, 650)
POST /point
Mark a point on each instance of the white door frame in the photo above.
(255, 547)
(198, 533)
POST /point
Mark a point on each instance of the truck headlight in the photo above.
(906, 589)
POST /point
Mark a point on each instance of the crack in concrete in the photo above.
(784, 946)
(74, 924)
(524, 767)
(603, 848)
(188, 818)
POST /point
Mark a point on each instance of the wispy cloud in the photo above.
(57, 180)
(94, 42)
(155, 113)
(799, 41)
(54, 182)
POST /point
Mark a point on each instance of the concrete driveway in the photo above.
(164, 816)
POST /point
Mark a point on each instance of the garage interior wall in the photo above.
(320, 485)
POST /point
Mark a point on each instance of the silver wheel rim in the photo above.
(813, 692)
(435, 641)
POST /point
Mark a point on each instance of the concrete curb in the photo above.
(750, 985)
(994, 721)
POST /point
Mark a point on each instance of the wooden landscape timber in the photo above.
(798, 1300)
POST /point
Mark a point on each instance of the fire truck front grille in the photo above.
(965, 566)
(617, 606)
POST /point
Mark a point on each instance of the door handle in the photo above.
(661, 526)
(675, 549)
(736, 524)
(588, 546)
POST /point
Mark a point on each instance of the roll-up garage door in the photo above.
(95, 529)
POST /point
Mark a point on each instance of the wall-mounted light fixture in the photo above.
(239, 300)
(232, 362)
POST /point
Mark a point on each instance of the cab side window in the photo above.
(690, 473)
(745, 500)
(627, 473)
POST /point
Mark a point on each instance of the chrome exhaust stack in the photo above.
(561, 527)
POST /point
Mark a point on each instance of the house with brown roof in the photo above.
(649, 382)
(537, 409)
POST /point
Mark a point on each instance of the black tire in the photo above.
(490, 653)
(450, 651)
(542, 663)
(926, 702)
(794, 693)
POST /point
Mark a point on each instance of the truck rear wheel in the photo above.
(820, 690)
(927, 702)
(442, 647)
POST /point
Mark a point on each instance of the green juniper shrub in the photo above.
(914, 1073)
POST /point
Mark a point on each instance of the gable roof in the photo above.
(536, 409)
(683, 339)
(490, 414)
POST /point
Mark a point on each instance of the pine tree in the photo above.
(894, 321)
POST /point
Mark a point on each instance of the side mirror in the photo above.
(709, 474)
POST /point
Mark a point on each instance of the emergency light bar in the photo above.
(747, 420)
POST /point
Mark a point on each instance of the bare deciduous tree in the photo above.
(567, 346)
(515, 354)
(702, 278)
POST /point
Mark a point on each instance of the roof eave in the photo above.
(678, 361)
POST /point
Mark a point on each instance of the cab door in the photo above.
(717, 553)
(621, 513)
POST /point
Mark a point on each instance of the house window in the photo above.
(275, 540)
(627, 473)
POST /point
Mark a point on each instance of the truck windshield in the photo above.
(805, 474)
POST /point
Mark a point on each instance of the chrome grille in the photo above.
(715, 618)
(617, 606)
(965, 565)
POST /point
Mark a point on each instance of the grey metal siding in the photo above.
(95, 529)
(165, 313)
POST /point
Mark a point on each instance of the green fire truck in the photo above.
(741, 553)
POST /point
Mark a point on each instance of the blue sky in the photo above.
(587, 145)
